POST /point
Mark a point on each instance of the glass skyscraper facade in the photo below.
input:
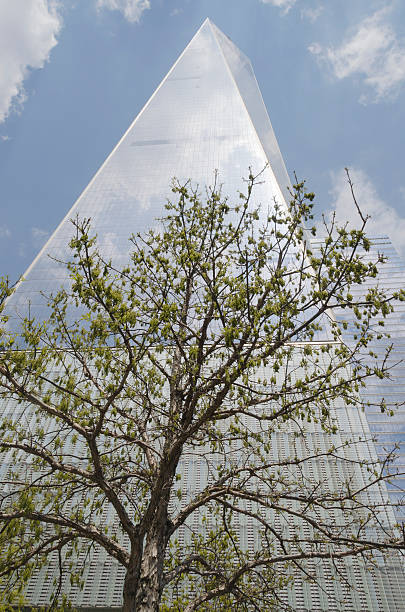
(388, 430)
(207, 115)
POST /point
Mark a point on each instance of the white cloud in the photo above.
(28, 32)
(384, 219)
(312, 14)
(374, 52)
(38, 236)
(131, 9)
(21, 250)
(4, 232)
(285, 5)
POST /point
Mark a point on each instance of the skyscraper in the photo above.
(387, 429)
(207, 114)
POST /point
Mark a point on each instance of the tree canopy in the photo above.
(186, 413)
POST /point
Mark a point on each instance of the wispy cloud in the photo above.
(38, 236)
(284, 5)
(384, 219)
(4, 232)
(131, 9)
(374, 52)
(312, 14)
(28, 33)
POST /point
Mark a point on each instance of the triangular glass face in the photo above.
(245, 80)
(196, 122)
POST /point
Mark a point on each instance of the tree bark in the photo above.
(130, 590)
(143, 588)
(143, 583)
(150, 584)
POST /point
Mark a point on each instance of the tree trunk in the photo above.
(143, 584)
(131, 584)
(151, 576)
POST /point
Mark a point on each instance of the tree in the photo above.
(217, 338)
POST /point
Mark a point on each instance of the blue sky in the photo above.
(74, 74)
